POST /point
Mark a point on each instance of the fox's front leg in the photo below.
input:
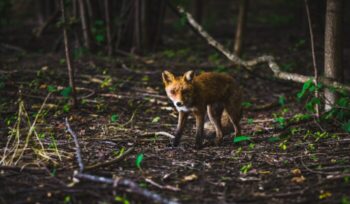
(180, 127)
(199, 115)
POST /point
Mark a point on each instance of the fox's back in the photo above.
(215, 86)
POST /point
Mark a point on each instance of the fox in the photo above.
(216, 94)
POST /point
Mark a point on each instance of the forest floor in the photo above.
(123, 107)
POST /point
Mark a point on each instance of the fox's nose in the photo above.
(178, 104)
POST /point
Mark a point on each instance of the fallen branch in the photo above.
(167, 187)
(129, 184)
(77, 147)
(270, 60)
(133, 187)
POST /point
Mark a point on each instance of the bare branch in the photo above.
(278, 73)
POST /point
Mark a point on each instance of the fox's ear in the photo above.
(167, 77)
(189, 75)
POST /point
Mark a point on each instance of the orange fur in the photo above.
(208, 92)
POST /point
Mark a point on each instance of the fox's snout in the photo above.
(178, 104)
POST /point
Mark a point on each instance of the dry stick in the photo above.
(113, 161)
(270, 60)
(68, 57)
(317, 108)
(77, 147)
(131, 185)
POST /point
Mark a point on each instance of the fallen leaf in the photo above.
(264, 172)
(324, 194)
(296, 171)
(298, 179)
(190, 177)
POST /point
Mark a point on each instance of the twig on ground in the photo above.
(77, 147)
(113, 161)
(167, 187)
(159, 133)
(131, 185)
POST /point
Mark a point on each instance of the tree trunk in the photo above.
(241, 24)
(108, 29)
(333, 48)
(68, 56)
(84, 24)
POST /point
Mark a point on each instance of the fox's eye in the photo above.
(172, 91)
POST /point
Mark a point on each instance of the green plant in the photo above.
(121, 199)
(281, 121)
(99, 31)
(247, 104)
(156, 119)
(283, 145)
(138, 160)
(114, 118)
(345, 200)
(245, 168)
(241, 138)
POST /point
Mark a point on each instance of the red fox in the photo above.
(208, 92)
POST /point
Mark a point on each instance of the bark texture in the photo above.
(333, 47)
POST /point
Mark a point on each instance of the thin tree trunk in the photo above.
(137, 26)
(108, 29)
(317, 108)
(68, 56)
(240, 29)
(84, 24)
(333, 48)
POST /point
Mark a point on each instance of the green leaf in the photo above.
(51, 88)
(114, 118)
(156, 119)
(67, 199)
(244, 169)
(273, 139)
(246, 104)
(281, 121)
(306, 86)
(346, 126)
(240, 138)
(66, 108)
(345, 200)
(66, 91)
(138, 161)
(100, 38)
(311, 104)
(282, 100)
(250, 121)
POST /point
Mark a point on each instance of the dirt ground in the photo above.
(123, 105)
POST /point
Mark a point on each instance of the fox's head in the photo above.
(179, 89)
